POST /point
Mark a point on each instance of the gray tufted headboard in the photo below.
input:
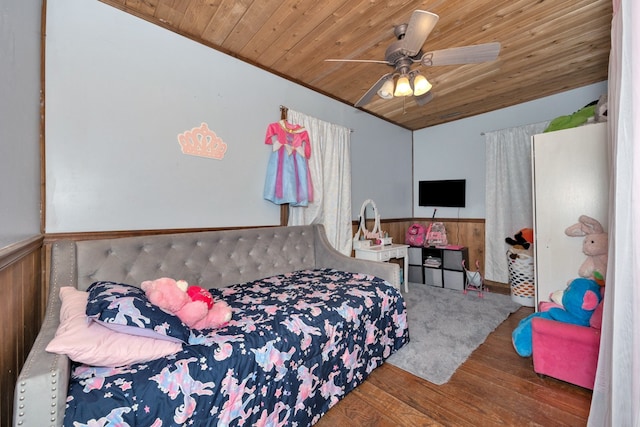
(208, 259)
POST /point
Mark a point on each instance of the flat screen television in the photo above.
(445, 193)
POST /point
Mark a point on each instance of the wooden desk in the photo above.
(385, 253)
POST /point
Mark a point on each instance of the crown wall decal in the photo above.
(202, 142)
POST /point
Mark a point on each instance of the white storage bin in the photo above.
(415, 255)
(433, 276)
(452, 260)
(454, 279)
(521, 277)
(415, 274)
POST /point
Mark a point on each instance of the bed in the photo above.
(309, 325)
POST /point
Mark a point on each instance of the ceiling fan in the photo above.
(407, 50)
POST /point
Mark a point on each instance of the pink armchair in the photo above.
(565, 351)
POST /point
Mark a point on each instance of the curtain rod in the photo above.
(515, 127)
(494, 130)
(285, 110)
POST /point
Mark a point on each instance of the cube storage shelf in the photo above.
(440, 267)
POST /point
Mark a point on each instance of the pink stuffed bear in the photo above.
(192, 304)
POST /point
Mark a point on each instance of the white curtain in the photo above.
(508, 199)
(616, 394)
(330, 166)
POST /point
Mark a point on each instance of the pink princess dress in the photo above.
(288, 178)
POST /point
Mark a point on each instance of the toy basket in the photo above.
(521, 278)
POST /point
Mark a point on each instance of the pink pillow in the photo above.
(596, 317)
(89, 342)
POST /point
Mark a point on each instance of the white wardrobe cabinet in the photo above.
(570, 178)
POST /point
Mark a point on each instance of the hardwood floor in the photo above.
(494, 386)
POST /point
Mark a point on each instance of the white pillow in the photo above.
(89, 342)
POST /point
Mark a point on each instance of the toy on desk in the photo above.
(384, 240)
(473, 280)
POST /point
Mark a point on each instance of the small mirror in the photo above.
(363, 233)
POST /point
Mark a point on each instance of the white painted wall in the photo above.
(120, 90)
(457, 150)
(19, 120)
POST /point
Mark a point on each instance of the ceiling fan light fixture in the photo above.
(386, 91)
(403, 87)
(421, 85)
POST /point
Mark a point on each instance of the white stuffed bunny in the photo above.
(594, 246)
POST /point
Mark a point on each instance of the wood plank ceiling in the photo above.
(548, 46)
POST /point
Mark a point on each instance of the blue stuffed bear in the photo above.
(579, 300)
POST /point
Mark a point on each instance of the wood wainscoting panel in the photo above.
(468, 232)
(22, 302)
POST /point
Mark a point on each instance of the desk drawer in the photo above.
(386, 255)
(398, 253)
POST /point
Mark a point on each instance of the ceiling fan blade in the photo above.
(462, 55)
(420, 26)
(423, 99)
(372, 91)
(375, 61)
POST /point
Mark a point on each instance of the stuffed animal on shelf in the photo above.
(595, 246)
(522, 239)
(193, 305)
(579, 300)
(602, 109)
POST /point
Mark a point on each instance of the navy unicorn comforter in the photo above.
(297, 344)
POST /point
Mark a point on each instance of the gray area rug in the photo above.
(445, 326)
